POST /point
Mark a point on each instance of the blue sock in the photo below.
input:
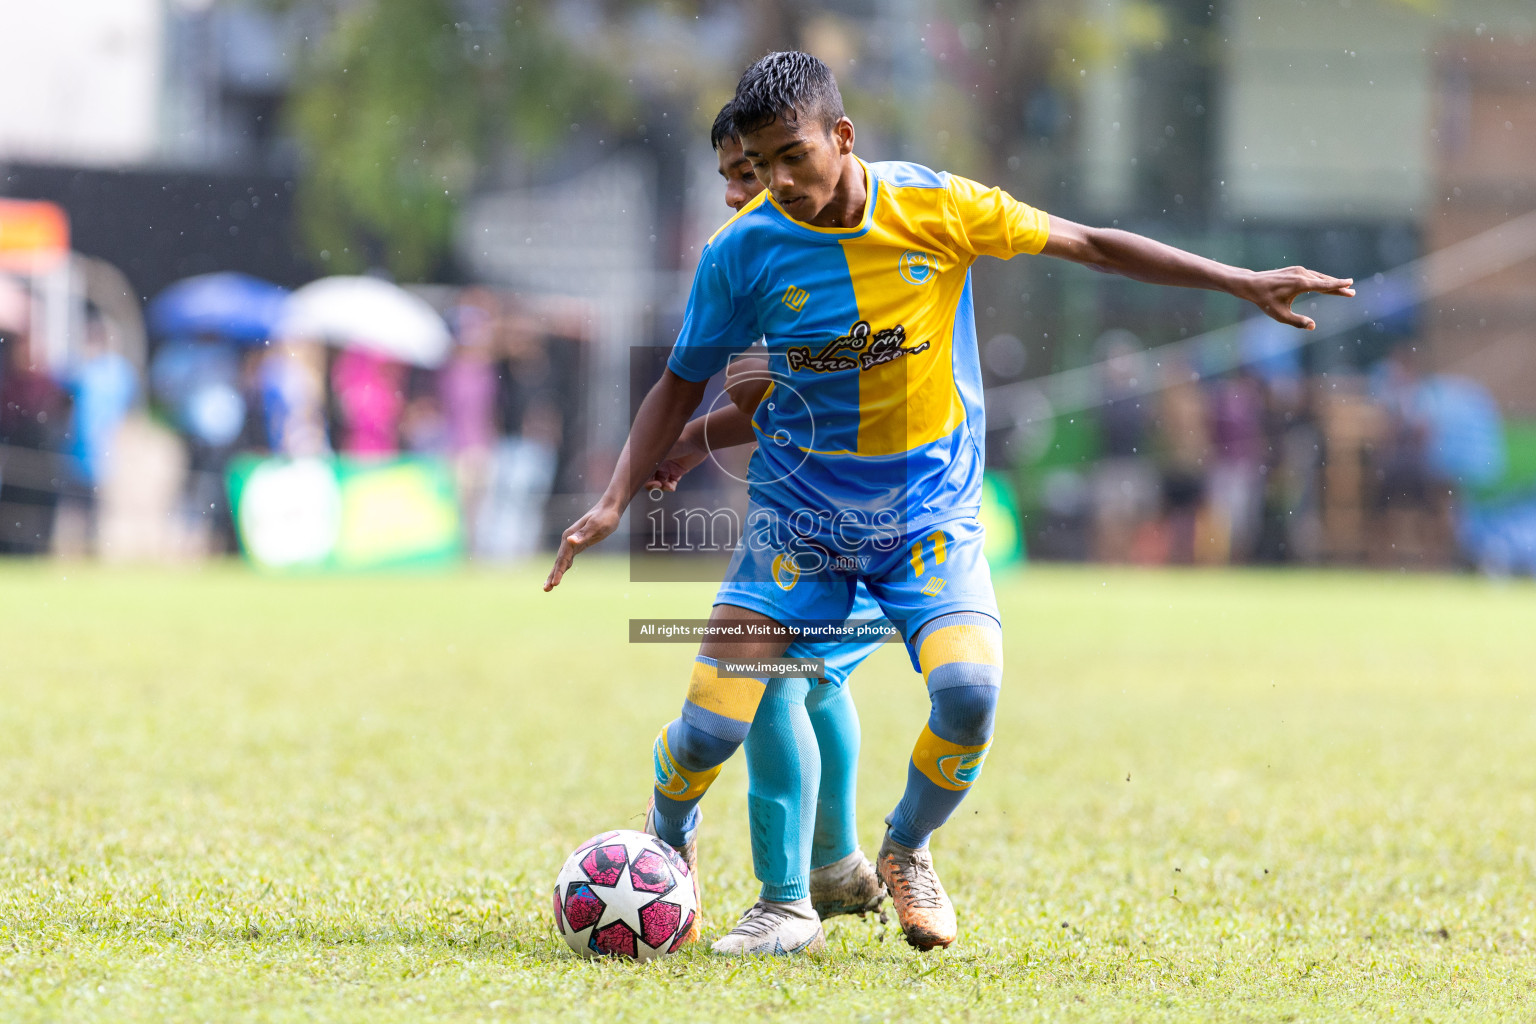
(836, 722)
(690, 750)
(962, 661)
(783, 771)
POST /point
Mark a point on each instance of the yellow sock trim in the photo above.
(735, 698)
(672, 779)
(951, 766)
(967, 642)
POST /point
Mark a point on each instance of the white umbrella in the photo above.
(366, 313)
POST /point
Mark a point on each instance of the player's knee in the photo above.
(964, 714)
(697, 750)
(962, 660)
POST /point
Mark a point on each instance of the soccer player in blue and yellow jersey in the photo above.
(803, 747)
(869, 459)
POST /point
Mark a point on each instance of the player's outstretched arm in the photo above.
(657, 426)
(1142, 259)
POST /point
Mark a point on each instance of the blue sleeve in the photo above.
(717, 325)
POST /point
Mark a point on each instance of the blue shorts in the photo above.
(843, 656)
(808, 581)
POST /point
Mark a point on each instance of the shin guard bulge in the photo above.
(687, 756)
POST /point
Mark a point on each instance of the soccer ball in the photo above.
(624, 893)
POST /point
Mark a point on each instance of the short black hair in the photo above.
(724, 126)
(791, 85)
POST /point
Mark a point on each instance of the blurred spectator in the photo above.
(1291, 527)
(1236, 477)
(103, 386)
(423, 425)
(198, 381)
(1403, 498)
(291, 383)
(1184, 451)
(367, 390)
(33, 418)
(468, 389)
(1464, 432)
(511, 518)
(1124, 482)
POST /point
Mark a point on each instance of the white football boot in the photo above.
(776, 929)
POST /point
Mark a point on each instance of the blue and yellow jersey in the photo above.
(871, 340)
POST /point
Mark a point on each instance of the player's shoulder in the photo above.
(905, 174)
(751, 220)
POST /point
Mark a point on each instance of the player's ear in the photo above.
(842, 132)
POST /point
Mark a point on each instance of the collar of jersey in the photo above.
(871, 195)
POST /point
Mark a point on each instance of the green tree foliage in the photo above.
(402, 103)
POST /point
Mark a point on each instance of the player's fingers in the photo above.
(1324, 284)
(556, 574)
(563, 559)
(1283, 312)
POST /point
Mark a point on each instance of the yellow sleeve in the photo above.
(990, 222)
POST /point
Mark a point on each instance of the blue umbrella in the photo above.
(234, 306)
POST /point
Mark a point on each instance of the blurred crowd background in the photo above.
(351, 283)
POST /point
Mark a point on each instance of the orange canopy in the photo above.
(32, 234)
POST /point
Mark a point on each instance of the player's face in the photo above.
(800, 163)
(740, 183)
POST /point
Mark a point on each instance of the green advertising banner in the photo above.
(345, 514)
(1000, 516)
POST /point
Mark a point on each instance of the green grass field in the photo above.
(1266, 797)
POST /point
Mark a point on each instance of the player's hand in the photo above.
(597, 524)
(685, 455)
(746, 379)
(1273, 291)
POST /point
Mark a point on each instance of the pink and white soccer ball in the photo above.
(624, 893)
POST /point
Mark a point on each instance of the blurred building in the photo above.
(1355, 136)
(154, 124)
(1350, 135)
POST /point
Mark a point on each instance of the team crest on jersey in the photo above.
(918, 267)
(859, 349)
